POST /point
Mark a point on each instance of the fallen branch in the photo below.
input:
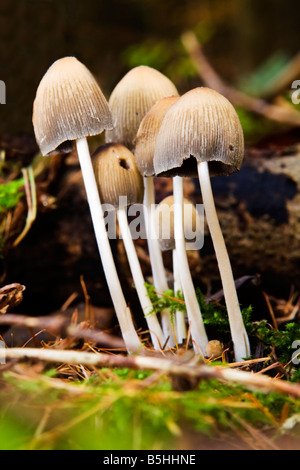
(237, 98)
(172, 367)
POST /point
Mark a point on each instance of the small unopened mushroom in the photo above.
(201, 134)
(69, 106)
(120, 185)
(131, 99)
(214, 349)
(164, 224)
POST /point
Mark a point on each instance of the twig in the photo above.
(238, 283)
(237, 98)
(270, 310)
(169, 366)
(59, 325)
(88, 309)
(30, 191)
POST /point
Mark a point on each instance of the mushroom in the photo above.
(214, 349)
(197, 328)
(120, 184)
(201, 135)
(164, 225)
(130, 100)
(70, 105)
(144, 154)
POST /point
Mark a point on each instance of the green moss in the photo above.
(10, 194)
(279, 341)
(126, 412)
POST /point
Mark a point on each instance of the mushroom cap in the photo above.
(147, 133)
(164, 222)
(132, 98)
(117, 175)
(69, 105)
(214, 348)
(204, 125)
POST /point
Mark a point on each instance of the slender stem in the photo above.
(158, 269)
(123, 313)
(181, 332)
(193, 310)
(238, 331)
(139, 281)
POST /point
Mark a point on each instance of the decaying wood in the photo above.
(259, 213)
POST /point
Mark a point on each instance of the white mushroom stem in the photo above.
(158, 269)
(181, 332)
(123, 313)
(197, 328)
(237, 327)
(139, 281)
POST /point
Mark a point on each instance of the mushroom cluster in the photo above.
(150, 131)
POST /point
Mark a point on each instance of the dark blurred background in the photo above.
(112, 36)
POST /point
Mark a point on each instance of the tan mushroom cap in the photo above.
(132, 98)
(214, 348)
(117, 175)
(69, 105)
(147, 133)
(164, 222)
(204, 125)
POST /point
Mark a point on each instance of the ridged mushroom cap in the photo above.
(164, 222)
(69, 105)
(117, 175)
(147, 133)
(204, 125)
(132, 98)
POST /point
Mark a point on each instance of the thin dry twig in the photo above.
(270, 310)
(59, 325)
(171, 366)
